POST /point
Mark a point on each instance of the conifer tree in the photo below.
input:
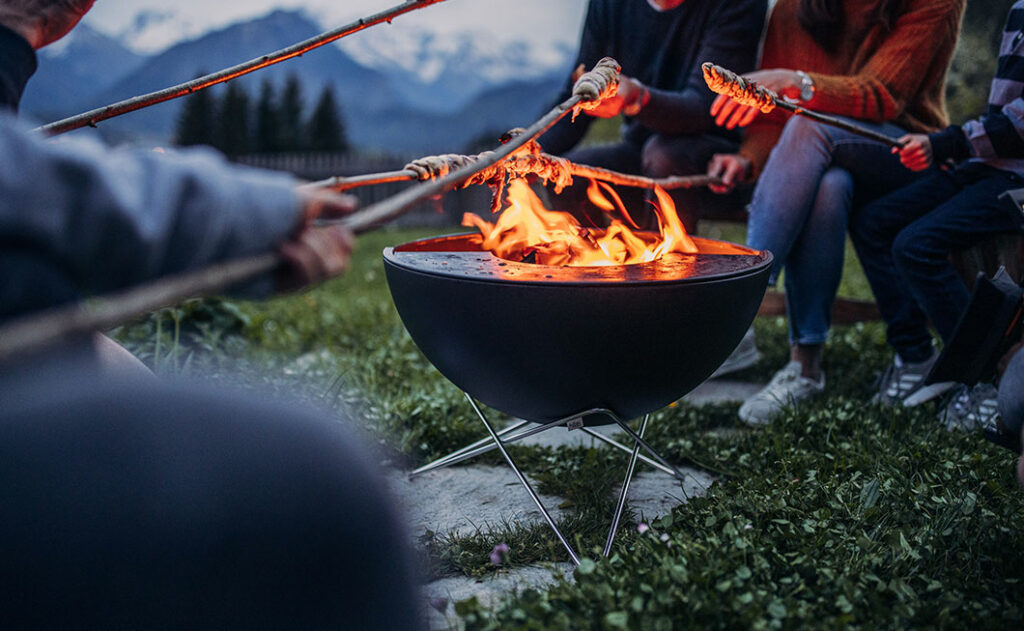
(196, 121)
(233, 136)
(267, 133)
(290, 116)
(326, 129)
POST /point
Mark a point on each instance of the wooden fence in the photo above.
(441, 213)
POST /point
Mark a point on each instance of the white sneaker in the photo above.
(903, 382)
(787, 387)
(743, 356)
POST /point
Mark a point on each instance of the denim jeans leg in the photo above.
(873, 228)
(788, 186)
(921, 250)
(815, 264)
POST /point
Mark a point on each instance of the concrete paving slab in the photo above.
(463, 499)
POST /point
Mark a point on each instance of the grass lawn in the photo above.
(842, 514)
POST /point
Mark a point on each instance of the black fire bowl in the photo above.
(543, 343)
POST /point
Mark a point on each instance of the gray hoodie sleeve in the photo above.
(111, 218)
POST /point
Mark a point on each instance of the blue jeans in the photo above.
(904, 240)
(813, 178)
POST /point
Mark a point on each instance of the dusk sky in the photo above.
(530, 20)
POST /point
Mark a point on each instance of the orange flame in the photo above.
(526, 230)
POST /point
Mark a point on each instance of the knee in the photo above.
(911, 252)
(835, 194)
(903, 255)
(662, 157)
(836, 187)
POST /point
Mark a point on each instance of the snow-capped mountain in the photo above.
(443, 73)
(154, 30)
(399, 90)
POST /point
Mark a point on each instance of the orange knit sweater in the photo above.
(876, 74)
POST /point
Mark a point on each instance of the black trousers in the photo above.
(144, 505)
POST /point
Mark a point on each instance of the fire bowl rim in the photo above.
(512, 272)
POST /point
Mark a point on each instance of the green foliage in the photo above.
(234, 136)
(276, 124)
(289, 115)
(840, 515)
(325, 131)
(604, 131)
(196, 123)
(267, 139)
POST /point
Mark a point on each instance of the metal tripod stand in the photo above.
(499, 439)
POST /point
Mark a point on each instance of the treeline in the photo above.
(235, 126)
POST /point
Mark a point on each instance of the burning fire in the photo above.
(526, 231)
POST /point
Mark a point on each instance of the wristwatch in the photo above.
(806, 86)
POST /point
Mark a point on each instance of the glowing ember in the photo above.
(526, 231)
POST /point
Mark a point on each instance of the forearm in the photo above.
(116, 218)
(674, 113)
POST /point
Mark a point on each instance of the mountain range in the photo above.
(414, 94)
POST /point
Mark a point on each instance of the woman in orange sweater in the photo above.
(883, 62)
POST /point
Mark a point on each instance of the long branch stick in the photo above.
(92, 117)
(36, 332)
(341, 184)
(751, 94)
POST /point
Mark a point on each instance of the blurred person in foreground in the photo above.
(667, 130)
(135, 504)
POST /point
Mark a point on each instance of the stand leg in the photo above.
(522, 479)
(625, 488)
(620, 446)
(444, 460)
(463, 454)
(643, 443)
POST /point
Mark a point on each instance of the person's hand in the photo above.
(916, 151)
(316, 254)
(42, 22)
(730, 114)
(631, 96)
(731, 168)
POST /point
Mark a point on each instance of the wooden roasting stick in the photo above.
(749, 93)
(33, 333)
(341, 184)
(92, 117)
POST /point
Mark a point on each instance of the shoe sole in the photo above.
(928, 393)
